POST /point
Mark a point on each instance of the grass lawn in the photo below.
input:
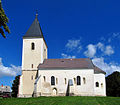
(71, 100)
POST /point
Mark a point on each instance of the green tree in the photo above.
(3, 21)
(15, 86)
(113, 84)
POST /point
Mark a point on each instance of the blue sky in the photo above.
(72, 29)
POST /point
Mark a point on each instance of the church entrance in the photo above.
(54, 92)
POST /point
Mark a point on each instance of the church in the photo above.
(56, 77)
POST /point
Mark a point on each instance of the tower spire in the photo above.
(36, 13)
(35, 29)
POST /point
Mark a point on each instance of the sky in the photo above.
(72, 29)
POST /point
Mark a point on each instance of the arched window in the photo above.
(74, 80)
(56, 81)
(102, 85)
(78, 80)
(97, 84)
(32, 46)
(44, 78)
(84, 81)
(52, 80)
(65, 81)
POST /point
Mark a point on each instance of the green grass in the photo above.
(0, 97)
(72, 100)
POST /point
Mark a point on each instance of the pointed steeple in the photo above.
(35, 29)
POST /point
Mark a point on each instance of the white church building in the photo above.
(56, 77)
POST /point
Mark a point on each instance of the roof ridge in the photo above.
(65, 58)
(96, 68)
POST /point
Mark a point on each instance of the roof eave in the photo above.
(61, 68)
(25, 37)
(100, 72)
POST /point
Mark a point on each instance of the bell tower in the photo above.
(34, 47)
(34, 52)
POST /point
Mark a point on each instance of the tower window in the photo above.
(32, 77)
(78, 80)
(32, 65)
(97, 84)
(33, 46)
(52, 80)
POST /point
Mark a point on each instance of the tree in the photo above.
(15, 86)
(3, 21)
(113, 84)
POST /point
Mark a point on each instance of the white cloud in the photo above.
(100, 46)
(79, 49)
(9, 71)
(73, 44)
(91, 51)
(67, 56)
(113, 36)
(117, 34)
(107, 67)
(108, 50)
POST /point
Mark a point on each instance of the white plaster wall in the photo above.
(45, 88)
(29, 56)
(44, 51)
(101, 90)
(28, 81)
